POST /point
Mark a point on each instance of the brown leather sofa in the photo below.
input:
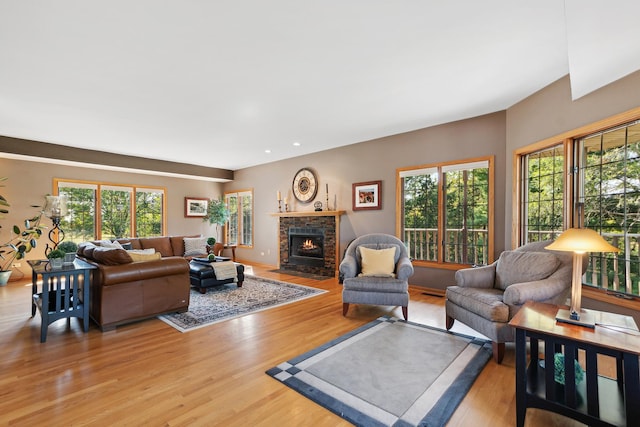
(124, 290)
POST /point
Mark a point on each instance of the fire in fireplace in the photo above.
(306, 246)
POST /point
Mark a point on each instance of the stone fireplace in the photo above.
(309, 242)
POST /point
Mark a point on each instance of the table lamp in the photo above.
(55, 208)
(579, 241)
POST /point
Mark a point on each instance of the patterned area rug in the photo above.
(389, 373)
(228, 301)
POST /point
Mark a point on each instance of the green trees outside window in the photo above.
(446, 212)
(239, 229)
(595, 185)
(107, 211)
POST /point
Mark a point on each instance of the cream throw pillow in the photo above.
(377, 262)
(138, 255)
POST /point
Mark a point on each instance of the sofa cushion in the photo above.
(144, 255)
(177, 244)
(523, 266)
(377, 262)
(85, 249)
(111, 256)
(160, 244)
(195, 246)
(108, 244)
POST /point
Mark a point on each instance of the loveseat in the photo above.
(138, 278)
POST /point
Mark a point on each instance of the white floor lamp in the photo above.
(579, 241)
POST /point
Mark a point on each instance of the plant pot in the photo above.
(4, 277)
(56, 263)
(69, 258)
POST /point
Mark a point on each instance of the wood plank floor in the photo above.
(148, 373)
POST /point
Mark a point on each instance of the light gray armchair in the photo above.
(486, 298)
(381, 278)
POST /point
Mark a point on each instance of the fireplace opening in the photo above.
(306, 246)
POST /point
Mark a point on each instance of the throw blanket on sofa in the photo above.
(225, 270)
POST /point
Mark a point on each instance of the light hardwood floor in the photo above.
(147, 373)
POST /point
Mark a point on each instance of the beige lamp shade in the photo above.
(581, 240)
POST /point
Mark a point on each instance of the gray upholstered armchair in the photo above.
(376, 269)
(486, 298)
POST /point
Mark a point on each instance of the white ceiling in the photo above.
(216, 83)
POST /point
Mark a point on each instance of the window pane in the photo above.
(247, 219)
(543, 203)
(115, 212)
(79, 225)
(149, 212)
(611, 197)
(466, 216)
(420, 215)
(232, 225)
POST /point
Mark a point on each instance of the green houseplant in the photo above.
(21, 240)
(217, 213)
(69, 248)
(56, 258)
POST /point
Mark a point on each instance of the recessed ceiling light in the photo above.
(296, 144)
(267, 151)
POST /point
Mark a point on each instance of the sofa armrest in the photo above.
(349, 266)
(538, 290)
(404, 268)
(478, 277)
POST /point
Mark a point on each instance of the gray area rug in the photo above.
(389, 373)
(228, 301)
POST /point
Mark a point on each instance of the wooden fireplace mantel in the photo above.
(309, 213)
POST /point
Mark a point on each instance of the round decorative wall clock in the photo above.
(305, 185)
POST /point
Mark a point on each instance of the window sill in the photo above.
(441, 266)
(602, 295)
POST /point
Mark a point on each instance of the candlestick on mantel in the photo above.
(278, 196)
(328, 197)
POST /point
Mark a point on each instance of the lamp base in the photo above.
(584, 319)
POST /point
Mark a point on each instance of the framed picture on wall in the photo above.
(367, 195)
(195, 207)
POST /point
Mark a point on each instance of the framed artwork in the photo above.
(367, 195)
(195, 207)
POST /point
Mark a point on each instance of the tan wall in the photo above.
(371, 161)
(30, 181)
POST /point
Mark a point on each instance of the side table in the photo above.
(596, 401)
(65, 293)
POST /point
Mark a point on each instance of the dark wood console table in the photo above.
(596, 401)
(65, 293)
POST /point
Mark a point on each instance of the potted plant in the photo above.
(69, 248)
(210, 242)
(217, 212)
(56, 258)
(20, 242)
